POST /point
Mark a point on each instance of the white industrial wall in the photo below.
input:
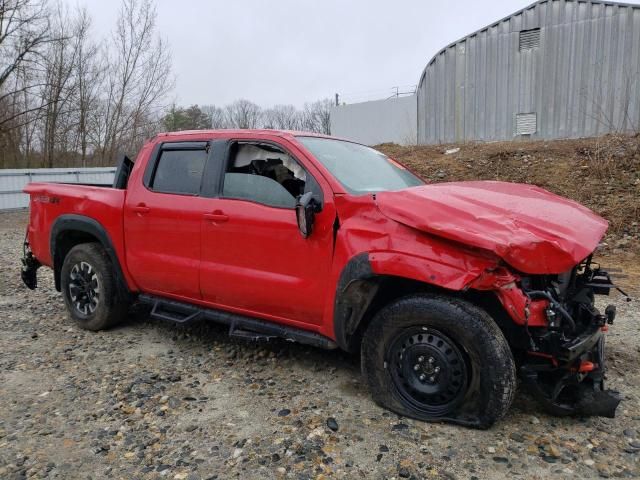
(382, 121)
(12, 181)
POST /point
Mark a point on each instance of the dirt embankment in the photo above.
(602, 173)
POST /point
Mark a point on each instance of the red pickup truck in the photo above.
(446, 290)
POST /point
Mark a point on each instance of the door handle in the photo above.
(216, 217)
(141, 209)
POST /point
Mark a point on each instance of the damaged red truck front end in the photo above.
(542, 274)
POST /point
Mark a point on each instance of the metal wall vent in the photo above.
(526, 123)
(529, 39)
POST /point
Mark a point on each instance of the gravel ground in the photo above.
(151, 400)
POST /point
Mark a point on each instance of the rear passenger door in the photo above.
(163, 217)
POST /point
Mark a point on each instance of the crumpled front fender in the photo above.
(466, 273)
(522, 309)
(434, 271)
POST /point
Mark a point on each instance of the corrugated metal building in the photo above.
(556, 69)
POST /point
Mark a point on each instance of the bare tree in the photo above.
(89, 76)
(216, 115)
(316, 116)
(68, 99)
(29, 123)
(64, 98)
(23, 31)
(139, 77)
(243, 114)
(283, 117)
(22, 113)
(60, 61)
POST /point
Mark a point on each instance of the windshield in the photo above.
(358, 168)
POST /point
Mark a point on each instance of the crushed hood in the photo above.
(533, 230)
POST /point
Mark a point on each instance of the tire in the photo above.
(89, 288)
(452, 362)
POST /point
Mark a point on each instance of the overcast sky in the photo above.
(295, 51)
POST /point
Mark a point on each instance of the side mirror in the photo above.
(306, 209)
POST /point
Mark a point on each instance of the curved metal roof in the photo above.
(496, 23)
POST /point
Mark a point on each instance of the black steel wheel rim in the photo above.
(84, 288)
(428, 370)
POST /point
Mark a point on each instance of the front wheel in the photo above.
(438, 358)
(89, 288)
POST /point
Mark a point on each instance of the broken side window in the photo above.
(264, 173)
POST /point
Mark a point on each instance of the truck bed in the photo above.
(49, 201)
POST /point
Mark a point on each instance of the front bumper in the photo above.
(572, 381)
(581, 345)
(564, 366)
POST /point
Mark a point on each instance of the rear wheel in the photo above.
(89, 288)
(436, 358)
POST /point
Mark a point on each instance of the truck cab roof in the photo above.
(244, 132)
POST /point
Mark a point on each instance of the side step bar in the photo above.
(240, 326)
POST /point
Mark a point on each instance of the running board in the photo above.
(173, 311)
(240, 326)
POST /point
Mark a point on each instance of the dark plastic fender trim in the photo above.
(81, 223)
(356, 289)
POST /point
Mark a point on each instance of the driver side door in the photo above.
(254, 259)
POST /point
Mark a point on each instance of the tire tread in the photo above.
(112, 309)
(466, 320)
